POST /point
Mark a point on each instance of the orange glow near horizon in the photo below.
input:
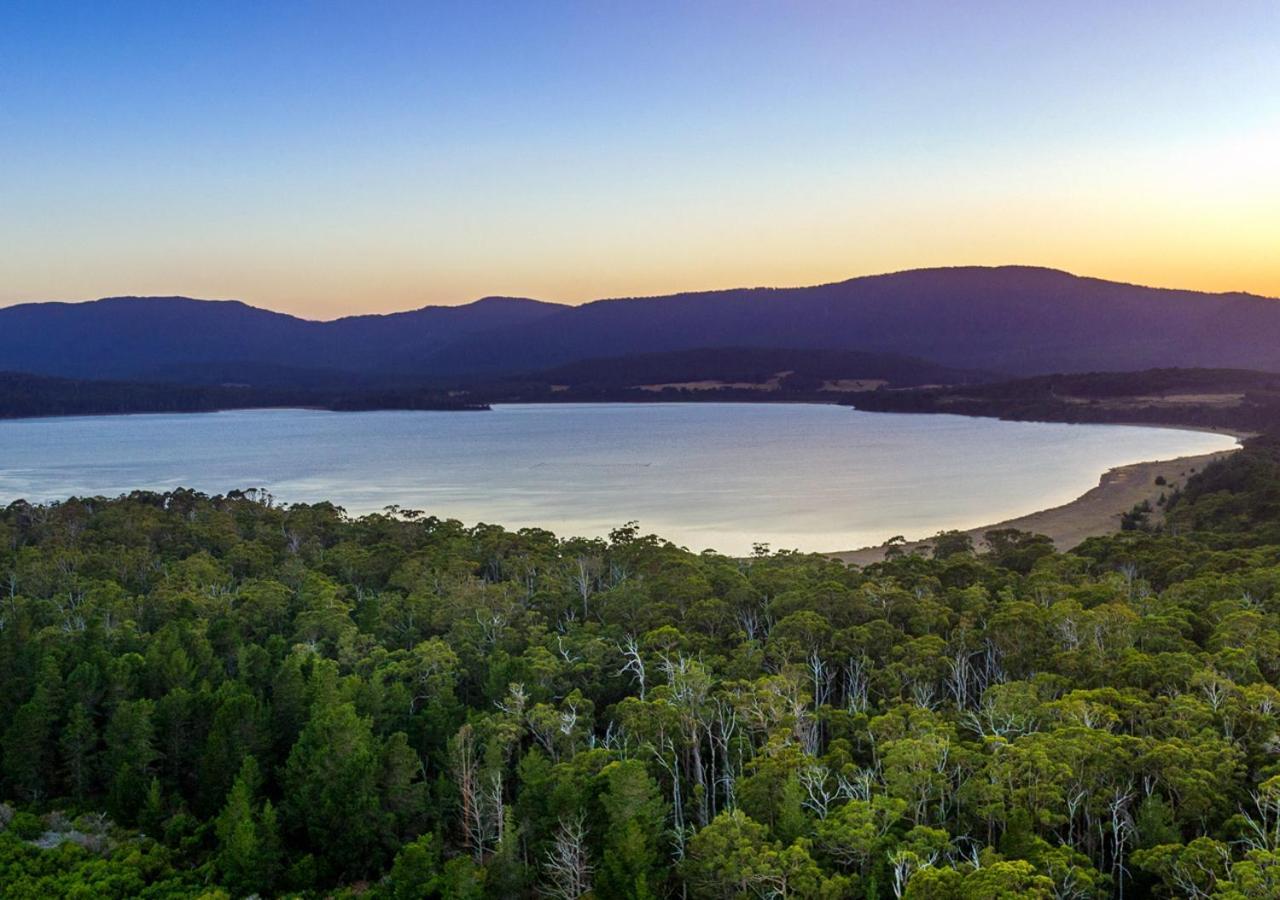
(411, 155)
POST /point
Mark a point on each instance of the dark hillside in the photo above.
(1232, 399)
(1013, 319)
(23, 395)
(158, 338)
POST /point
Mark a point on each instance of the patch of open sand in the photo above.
(773, 384)
(1095, 513)
(1156, 400)
(853, 385)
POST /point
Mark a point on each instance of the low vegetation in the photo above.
(726, 373)
(23, 396)
(1233, 399)
(221, 697)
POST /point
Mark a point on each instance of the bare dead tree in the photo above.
(723, 726)
(482, 800)
(857, 684)
(821, 675)
(1122, 832)
(567, 866)
(630, 650)
(960, 677)
(823, 788)
(585, 576)
(464, 769)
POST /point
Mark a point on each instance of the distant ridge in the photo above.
(179, 338)
(1017, 320)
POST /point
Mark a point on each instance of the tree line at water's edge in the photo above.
(24, 395)
(1224, 399)
(221, 696)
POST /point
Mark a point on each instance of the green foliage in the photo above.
(248, 857)
(633, 863)
(330, 787)
(127, 757)
(733, 857)
(70, 871)
(415, 874)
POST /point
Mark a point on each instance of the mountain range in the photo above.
(1013, 320)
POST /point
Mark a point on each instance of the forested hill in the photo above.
(1014, 320)
(1228, 399)
(220, 696)
(205, 341)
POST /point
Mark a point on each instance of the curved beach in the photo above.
(1096, 512)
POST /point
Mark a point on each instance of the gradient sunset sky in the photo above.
(332, 158)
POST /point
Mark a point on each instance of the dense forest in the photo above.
(753, 374)
(1238, 399)
(223, 696)
(23, 395)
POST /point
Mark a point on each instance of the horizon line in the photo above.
(623, 298)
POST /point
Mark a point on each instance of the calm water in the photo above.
(808, 477)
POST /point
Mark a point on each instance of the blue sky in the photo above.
(325, 158)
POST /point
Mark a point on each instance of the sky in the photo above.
(327, 158)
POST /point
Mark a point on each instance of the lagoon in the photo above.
(705, 475)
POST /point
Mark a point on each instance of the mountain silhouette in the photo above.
(1016, 320)
(207, 341)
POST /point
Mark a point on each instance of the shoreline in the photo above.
(487, 406)
(1094, 513)
(39, 417)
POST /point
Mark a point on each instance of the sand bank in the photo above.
(1095, 513)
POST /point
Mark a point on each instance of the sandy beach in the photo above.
(1095, 513)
